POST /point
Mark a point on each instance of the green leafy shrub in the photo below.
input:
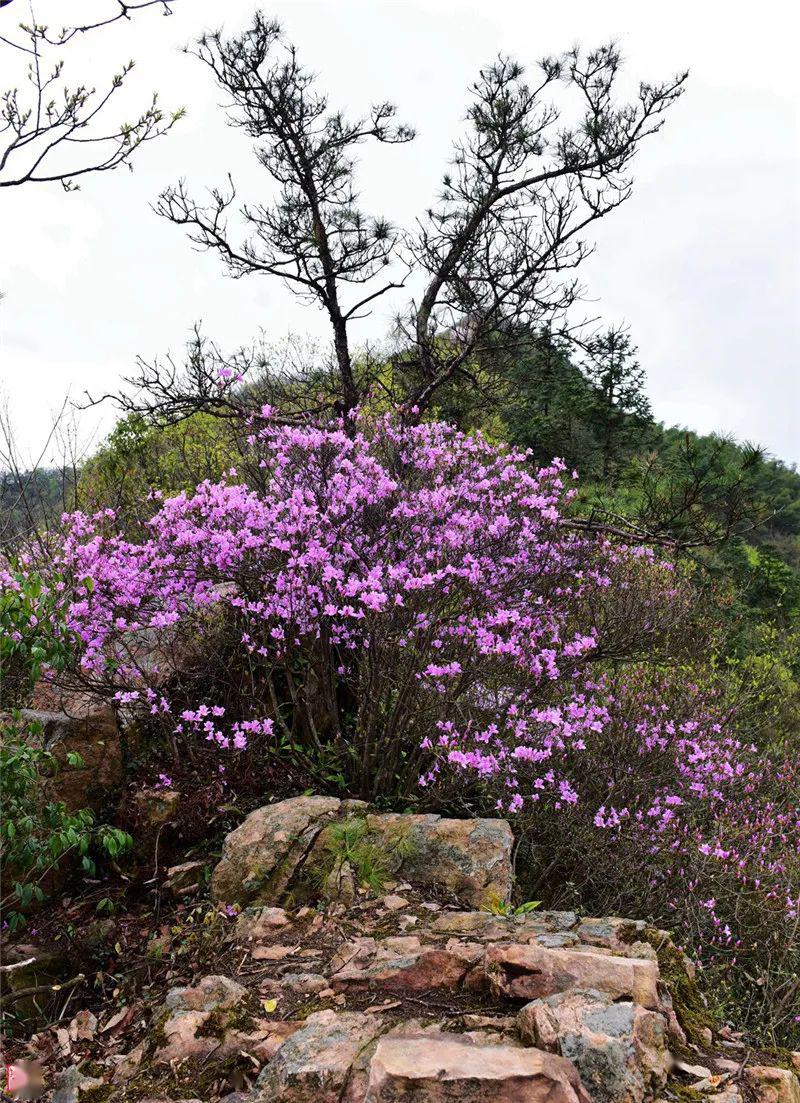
(32, 635)
(137, 458)
(37, 833)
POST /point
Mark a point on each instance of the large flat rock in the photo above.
(619, 1048)
(447, 1068)
(313, 1066)
(470, 858)
(292, 849)
(87, 727)
(528, 971)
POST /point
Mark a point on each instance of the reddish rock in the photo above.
(209, 994)
(533, 972)
(128, 1064)
(306, 984)
(83, 1027)
(393, 903)
(254, 926)
(361, 951)
(340, 884)
(419, 970)
(195, 1026)
(188, 1011)
(514, 928)
(86, 726)
(453, 1069)
(505, 1023)
(184, 1037)
(773, 1085)
(268, 1037)
(274, 952)
(469, 858)
(285, 847)
(72, 1086)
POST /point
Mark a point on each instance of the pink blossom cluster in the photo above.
(712, 821)
(428, 568)
(418, 542)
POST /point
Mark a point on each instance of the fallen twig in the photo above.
(40, 989)
(17, 965)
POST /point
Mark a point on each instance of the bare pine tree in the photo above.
(497, 253)
(500, 247)
(314, 236)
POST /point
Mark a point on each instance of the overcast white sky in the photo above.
(703, 262)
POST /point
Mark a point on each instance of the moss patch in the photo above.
(99, 1094)
(687, 1000)
(684, 1094)
(373, 858)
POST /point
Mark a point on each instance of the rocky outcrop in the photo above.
(572, 1043)
(471, 859)
(399, 996)
(73, 1086)
(185, 879)
(86, 726)
(155, 808)
(293, 849)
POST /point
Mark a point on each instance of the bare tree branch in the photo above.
(499, 247)
(50, 136)
(497, 253)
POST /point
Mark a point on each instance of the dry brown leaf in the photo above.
(115, 1020)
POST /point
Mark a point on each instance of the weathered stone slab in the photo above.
(470, 858)
(261, 855)
(453, 1069)
(419, 970)
(525, 971)
(773, 1085)
(313, 1066)
(513, 928)
(291, 847)
(619, 1049)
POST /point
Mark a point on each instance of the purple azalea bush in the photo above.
(409, 597)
